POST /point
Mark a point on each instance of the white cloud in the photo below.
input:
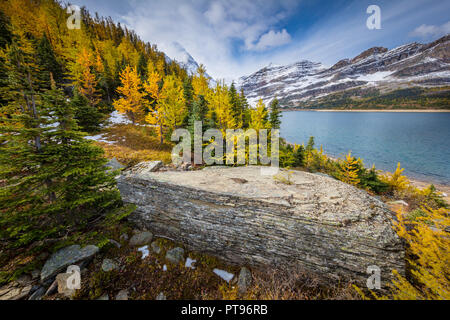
(272, 39)
(425, 30)
(214, 33)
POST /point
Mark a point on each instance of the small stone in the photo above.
(141, 239)
(23, 280)
(52, 289)
(12, 294)
(114, 164)
(161, 296)
(115, 243)
(109, 265)
(175, 255)
(244, 280)
(122, 295)
(35, 274)
(103, 297)
(146, 167)
(62, 285)
(38, 294)
(65, 257)
(155, 247)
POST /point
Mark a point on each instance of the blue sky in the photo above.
(237, 37)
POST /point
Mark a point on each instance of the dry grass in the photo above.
(295, 284)
(133, 144)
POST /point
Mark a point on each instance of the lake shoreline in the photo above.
(371, 110)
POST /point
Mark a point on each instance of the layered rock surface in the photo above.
(317, 223)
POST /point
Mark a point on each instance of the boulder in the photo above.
(175, 255)
(65, 257)
(141, 239)
(316, 224)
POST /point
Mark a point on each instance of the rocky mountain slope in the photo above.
(376, 71)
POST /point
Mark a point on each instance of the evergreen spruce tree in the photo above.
(142, 67)
(53, 180)
(275, 114)
(47, 62)
(246, 117)
(188, 92)
(87, 116)
(236, 105)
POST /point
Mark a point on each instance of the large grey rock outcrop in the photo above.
(317, 223)
(65, 257)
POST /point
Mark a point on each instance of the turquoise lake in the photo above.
(419, 141)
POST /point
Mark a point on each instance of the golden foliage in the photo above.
(259, 117)
(200, 82)
(168, 108)
(429, 248)
(397, 181)
(219, 102)
(132, 101)
(349, 170)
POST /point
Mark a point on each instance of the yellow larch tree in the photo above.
(168, 107)
(220, 104)
(397, 181)
(200, 82)
(85, 79)
(259, 117)
(349, 170)
(131, 102)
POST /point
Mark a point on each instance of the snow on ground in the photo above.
(99, 138)
(224, 275)
(189, 263)
(118, 118)
(377, 76)
(144, 251)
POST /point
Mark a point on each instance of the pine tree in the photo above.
(275, 114)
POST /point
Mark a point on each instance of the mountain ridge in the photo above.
(308, 84)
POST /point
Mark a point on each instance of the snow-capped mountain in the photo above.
(178, 53)
(407, 66)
